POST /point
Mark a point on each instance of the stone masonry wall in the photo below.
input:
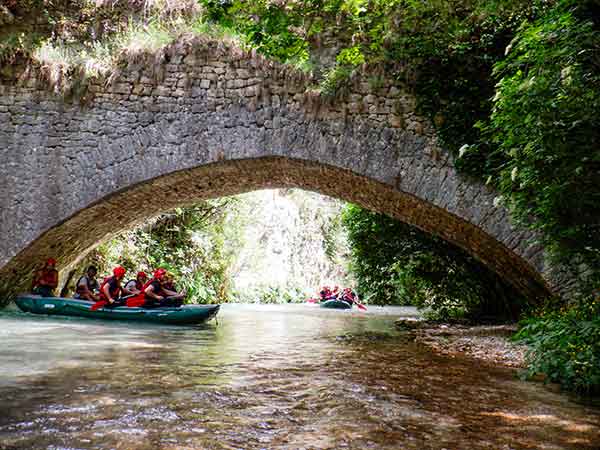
(206, 119)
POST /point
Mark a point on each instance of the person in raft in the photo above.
(111, 290)
(45, 279)
(156, 294)
(169, 283)
(137, 286)
(87, 285)
(349, 296)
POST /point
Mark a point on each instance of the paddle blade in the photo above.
(136, 301)
(98, 305)
(361, 306)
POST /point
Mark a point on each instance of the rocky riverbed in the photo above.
(489, 344)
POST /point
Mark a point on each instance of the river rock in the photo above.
(409, 324)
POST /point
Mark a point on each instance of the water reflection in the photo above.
(266, 377)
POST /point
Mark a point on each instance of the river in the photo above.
(266, 377)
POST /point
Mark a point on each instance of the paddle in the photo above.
(361, 306)
(136, 301)
(99, 304)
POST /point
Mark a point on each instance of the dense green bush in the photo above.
(395, 263)
(565, 345)
(193, 243)
(544, 129)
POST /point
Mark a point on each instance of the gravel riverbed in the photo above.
(489, 344)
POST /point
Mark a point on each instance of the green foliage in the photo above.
(264, 25)
(545, 130)
(332, 232)
(537, 129)
(565, 345)
(440, 285)
(18, 42)
(351, 56)
(193, 243)
(149, 37)
(512, 87)
(334, 80)
(91, 34)
(395, 263)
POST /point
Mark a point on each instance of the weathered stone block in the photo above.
(121, 88)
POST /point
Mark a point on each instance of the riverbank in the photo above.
(489, 344)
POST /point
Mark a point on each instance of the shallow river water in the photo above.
(265, 377)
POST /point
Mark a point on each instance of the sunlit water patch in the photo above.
(272, 377)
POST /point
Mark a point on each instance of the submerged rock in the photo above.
(410, 324)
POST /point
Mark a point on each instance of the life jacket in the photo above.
(49, 276)
(139, 286)
(114, 293)
(139, 300)
(91, 286)
(348, 295)
(325, 294)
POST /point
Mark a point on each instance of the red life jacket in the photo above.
(103, 299)
(139, 300)
(114, 293)
(49, 276)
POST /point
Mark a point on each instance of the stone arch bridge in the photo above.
(206, 120)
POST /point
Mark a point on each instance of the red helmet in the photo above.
(142, 274)
(119, 272)
(50, 262)
(159, 273)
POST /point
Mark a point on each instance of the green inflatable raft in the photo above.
(184, 315)
(336, 304)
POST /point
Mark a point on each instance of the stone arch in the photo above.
(211, 120)
(74, 237)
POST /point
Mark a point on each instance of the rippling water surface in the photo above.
(265, 377)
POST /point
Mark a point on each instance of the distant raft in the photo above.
(184, 315)
(336, 304)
